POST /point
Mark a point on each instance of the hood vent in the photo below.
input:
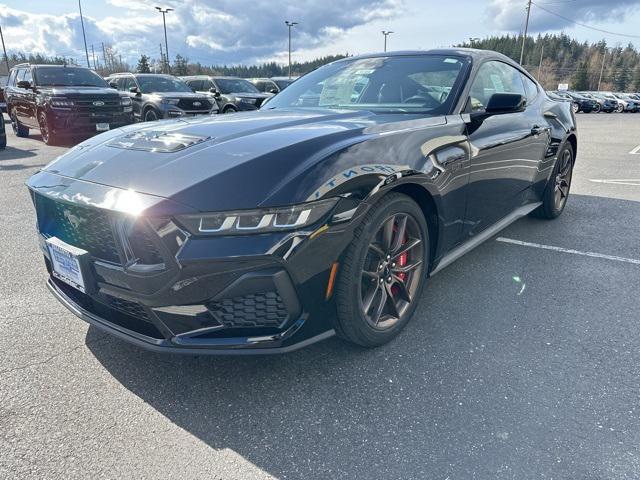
(156, 141)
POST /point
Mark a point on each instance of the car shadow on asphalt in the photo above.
(486, 375)
(12, 153)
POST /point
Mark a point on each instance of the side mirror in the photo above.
(135, 90)
(23, 84)
(501, 103)
(215, 92)
(113, 85)
(274, 91)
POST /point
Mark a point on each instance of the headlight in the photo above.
(247, 100)
(125, 101)
(170, 101)
(243, 222)
(61, 102)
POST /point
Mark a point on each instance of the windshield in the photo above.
(67, 77)
(282, 84)
(160, 83)
(235, 85)
(397, 84)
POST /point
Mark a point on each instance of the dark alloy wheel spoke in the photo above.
(392, 271)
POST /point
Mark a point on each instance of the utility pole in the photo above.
(540, 67)
(386, 34)
(6, 59)
(164, 11)
(93, 55)
(290, 25)
(162, 61)
(604, 56)
(526, 30)
(104, 56)
(86, 51)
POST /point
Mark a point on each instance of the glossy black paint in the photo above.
(3, 133)
(467, 172)
(228, 102)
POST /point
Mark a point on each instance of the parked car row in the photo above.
(597, 102)
(63, 101)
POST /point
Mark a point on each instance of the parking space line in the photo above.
(568, 250)
(618, 181)
(635, 151)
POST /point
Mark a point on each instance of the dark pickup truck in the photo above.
(63, 101)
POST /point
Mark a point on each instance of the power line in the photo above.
(584, 24)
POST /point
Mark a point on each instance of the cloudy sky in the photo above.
(241, 31)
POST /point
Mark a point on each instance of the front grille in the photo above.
(252, 310)
(187, 104)
(83, 227)
(134, 309)
(259, 101)
(143, 247)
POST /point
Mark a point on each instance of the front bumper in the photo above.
(70, 122)
(252, 294)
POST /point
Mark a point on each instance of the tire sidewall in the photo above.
(354, 324)
(150, 111)
(549, 200)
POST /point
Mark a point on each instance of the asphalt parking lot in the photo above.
(522, 362)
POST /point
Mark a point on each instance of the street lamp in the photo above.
(290, 25)
(386, 34)
(86, 50)
(163, 11)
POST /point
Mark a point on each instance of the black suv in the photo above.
(3, 133)
(579, 103)
(232, 94)
(3, 84)
(62, 100)
(157, 96)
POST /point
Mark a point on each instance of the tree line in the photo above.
(557, 58)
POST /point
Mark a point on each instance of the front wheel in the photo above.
(557, 191)
(230, 109)
(150, 115)
(45, 129)
(597, 108)
(620, 109)
(576, 108)
(383, 272)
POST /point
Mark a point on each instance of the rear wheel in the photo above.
(230, 109)
(620, 109)
(597, 108)
(19, 129)
(575, 107)
(557, 191)
(383, 272)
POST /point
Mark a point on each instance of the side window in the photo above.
(12, 78)
(197, 85)
(268, 86)
(530, 88)
(262, 86)
(127, 83)
(207, 84)
(27, 75)
(20, 74)
(494, 77)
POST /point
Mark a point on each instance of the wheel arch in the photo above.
(429, 208)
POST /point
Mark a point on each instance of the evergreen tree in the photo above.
(636, 80)
(180, 66)
(580, 80)
(143, 65)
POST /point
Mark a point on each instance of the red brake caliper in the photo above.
(402, 261)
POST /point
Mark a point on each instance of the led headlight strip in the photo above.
(258, 221)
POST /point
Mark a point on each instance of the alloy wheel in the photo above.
(392, 271)
(150, 116)
(576, 108)
(44, 127)
(563, 179)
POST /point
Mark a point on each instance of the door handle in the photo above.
(537, 130)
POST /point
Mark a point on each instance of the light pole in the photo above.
(6, 59)
(164, 11)
(86, 51)
(290, 25)
(386, 34)
(526, 30)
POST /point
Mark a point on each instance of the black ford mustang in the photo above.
(324, 212)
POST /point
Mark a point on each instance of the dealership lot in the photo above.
(522, 362)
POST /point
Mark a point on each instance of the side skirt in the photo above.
(483, 236)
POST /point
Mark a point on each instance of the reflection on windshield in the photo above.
(235, 85)
(153, 84)
(68, 77)
(394, 84)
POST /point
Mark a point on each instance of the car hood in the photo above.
(233, 161)
(176, 94)
(79, 91)
(250, 95)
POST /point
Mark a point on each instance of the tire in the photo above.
(620, 109)
(374, 271)
(575, 107)
(229, 109)
(19, 129)
(150, 115)
(45, 130)
(3, 142)
(557, 190)
(597, 108)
